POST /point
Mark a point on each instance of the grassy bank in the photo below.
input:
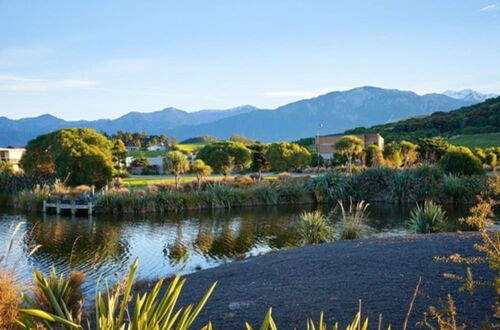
(372, 185)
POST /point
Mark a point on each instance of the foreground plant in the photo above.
(352, 219)
(314, 228)
(427, 219)
(151, 311)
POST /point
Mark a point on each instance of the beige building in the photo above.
(13, 156)
(325, 144)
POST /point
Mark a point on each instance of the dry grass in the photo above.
(10, 298)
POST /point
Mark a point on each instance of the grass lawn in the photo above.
(186, 147)
(142, 181)
(477, 140)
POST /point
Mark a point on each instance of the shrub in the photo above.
(374, 184)
(462, 188)
(330, 187)
(461, 161)
(427, 219)
(416, 184)
(291, 193)
(31, 200)
(266, 194)
(314, 228)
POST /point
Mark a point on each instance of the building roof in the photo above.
(342, 134)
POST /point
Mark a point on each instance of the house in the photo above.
(13, 156)
(132, 148)
(155, 164)
(157, 147)
(325, 144)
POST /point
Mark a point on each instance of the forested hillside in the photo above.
(479, 118)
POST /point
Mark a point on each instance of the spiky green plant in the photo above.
(151, 311)
(427, 219)
(314, 228)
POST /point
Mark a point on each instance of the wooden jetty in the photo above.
(72, 205)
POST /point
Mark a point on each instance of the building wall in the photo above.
(13, 156)
(325, 144)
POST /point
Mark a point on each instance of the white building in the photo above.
(157, 147)
(13, 156)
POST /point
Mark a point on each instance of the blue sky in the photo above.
(100, 59)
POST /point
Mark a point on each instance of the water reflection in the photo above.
(167, 244)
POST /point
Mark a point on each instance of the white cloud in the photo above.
(13, 83)
(491, 7)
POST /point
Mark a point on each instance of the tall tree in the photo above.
(432, 149)
(201, 170)
(393, 155)
(374, 156)
(177, 163)
(259, 160)
(351, 147)
(409, 151)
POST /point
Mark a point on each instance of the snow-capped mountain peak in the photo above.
(469, 95)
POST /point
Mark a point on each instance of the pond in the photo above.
(168, 244)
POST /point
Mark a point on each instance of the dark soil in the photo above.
(302, 282)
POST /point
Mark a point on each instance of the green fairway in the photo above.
(142, 181)
(477, 140)
(192, 147)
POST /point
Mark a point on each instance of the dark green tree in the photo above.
(225, 155)
(285, 156)
(432, 149)
(374, 156)
(76, 156)
(259, 160)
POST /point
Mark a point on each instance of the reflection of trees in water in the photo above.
(81, 240)
(178, 252)
(233, 237)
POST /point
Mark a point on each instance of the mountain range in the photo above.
(329, 113)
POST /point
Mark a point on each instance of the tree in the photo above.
(76, 156)
(285, 156)
(491, 159)
(201, 170)
(351, 147)
(432, 149)
(173, 144)
(393, 155)
(374, 156)
(461, 161)
(6, 167)
(409, 151)
(177, 163)
(119, 153)
(259, 160)
(223, 156)
(140, 161)
(479, 153)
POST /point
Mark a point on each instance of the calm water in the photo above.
(165, 245)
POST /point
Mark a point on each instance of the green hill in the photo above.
(477, 140)
(476, 120)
